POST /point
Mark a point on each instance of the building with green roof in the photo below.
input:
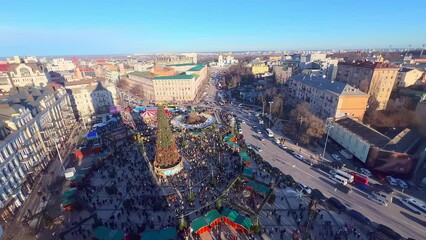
(196, 68)
(175, 77)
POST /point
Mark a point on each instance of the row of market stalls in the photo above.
(105, 233)
(230, 140)
(77, 179)
(213, 218)
(91, 144)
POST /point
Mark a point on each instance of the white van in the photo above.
(338, 179)
(378, 200)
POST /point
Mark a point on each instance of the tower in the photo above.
(220, 60)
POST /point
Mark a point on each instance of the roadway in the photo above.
(402, 220)
(395, 216)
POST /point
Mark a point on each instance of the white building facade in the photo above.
(27, 144)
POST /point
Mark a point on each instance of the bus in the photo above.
(345, 175)
(358, 178)
(417, 206)
(270, 133)
(339, 179)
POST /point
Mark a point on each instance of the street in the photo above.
(394, 215)
(398, 218)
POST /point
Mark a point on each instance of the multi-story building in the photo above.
(31, 121)
(90, 96)
(182, 87)
(327, 98)
(407, 77)
(28, 74)
(377, 79)
(398, 153)
(60, 64)
(186, 58)
(88, 72)
(282, 73)
(259, 69)
(5, 82)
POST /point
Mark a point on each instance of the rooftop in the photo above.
(368, 64)
(404, 141)
(181, 65)
(142, 74)
(175, 77)
(198, 67)
(337, 88)
(365, 132)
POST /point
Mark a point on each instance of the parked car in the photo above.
(307, 161)
(337, 204)
(302, 187)
(366, 172)
(401, 183)
(336, 157)
(298, 156)
(359, 217)
(392, 181)
(317, 194)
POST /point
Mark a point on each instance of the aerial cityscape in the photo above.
(212, 120)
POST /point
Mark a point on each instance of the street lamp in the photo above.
(270, 112)
(328, 126)
(59, 155)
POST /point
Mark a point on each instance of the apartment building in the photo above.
(31, 121)
(407, 77)
(259, 68)
(60, 65)
(377, 79)
(182, 87)
(327, 98)
(89, 96)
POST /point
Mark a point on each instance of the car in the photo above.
(243, 121)
(302, 187)
(307, 161)
(389, 232)
(359, 217)
(258, 131)
(298, 156)
(283, 146)
(336, 157)
(337, 204)
(277, 141)
(378, 201)
(366, 172)
(392, 181)
(317, 194)
(401, 183)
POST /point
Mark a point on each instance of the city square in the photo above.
(164, 120)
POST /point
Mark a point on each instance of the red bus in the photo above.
(359, 178)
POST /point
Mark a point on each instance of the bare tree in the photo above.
(303, 125)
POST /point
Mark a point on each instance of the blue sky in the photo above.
(63, 27)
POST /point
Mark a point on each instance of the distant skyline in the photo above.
(47, 28)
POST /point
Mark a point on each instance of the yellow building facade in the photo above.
(259, 68)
